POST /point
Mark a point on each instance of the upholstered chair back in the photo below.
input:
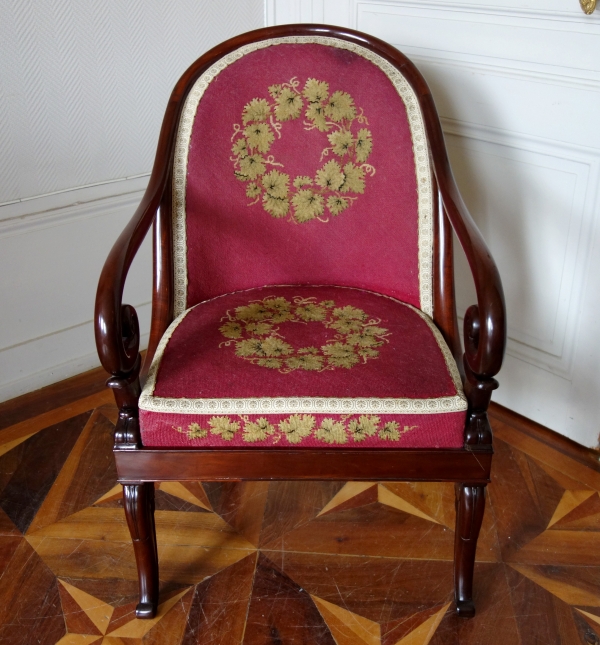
(302, 160)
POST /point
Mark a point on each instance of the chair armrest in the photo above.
(485, 322)
(116, 324)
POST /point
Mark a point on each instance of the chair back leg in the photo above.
(470, 504)
(139, 509)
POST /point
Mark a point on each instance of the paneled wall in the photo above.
(83, 87)
(517, 86)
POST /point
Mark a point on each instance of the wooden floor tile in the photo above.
(278, 563)
(220, 605)
(30, 469)
(30, 609)
(375, 529)
(282, 612)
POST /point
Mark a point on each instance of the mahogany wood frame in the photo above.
(117, 339)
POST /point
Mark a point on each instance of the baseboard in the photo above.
(587, 456)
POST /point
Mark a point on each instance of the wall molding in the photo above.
(57, 209)
(558, 356)
(558, 18)
(520, 72)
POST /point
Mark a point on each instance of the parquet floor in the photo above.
(286, 563)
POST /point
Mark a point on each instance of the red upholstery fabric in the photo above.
(231, 245)
(375, 363)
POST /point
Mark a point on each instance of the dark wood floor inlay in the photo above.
(281, 563)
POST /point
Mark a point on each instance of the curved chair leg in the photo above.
(139, 511)
(470, 504)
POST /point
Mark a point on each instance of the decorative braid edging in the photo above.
(303, 405)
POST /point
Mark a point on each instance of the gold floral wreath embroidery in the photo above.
(298, 427)
(336, 184)
(254, 331)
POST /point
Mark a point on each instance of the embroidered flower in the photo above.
(249, 347)
(331, 431)
(308, 350)
(196, 432)
(253, 190)
(251, 167)
(340, 355)
(316, 113)
(355, 179)
(310, 312)
(346, 325)
(362, 339)
(307, 362)
(277, 304)
(297, 426)
(363, 427)
(336, 204)
(256, 110)
(364, 145)
(257, 430)
(307, 205)
(240, 148)
(276, 183)
(315, 91)
(259, 136)
(390, 432)
(289, 105)
(349, 313)
(253, 311)
(273, 363)
(280, 308)
(258, 329)
(340, 106)
(341, 142)
(275, 90)
(327, 303)
(273, 346)
(277, 207)
(224, 426)
(302, 181)
(367, 352)
(231, 329)
(330, 176)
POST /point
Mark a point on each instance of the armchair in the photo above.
(303, 318)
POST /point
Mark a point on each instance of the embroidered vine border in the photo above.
(304, 405)
(420, 150)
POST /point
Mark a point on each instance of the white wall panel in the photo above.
(83, 89)
(518, 89)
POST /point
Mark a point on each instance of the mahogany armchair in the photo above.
(303, 319)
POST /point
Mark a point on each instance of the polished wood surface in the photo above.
(117, 338)
(345, 563)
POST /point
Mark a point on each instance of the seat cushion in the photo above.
(303, 367)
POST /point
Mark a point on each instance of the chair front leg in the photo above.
(139, 511)
(470, 505)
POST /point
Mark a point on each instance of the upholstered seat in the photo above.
(286, 366)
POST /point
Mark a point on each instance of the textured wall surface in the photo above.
(83, 88)
(84, 83)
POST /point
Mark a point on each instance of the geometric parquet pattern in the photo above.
(283, 563)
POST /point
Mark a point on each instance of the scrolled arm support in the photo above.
(485, 322)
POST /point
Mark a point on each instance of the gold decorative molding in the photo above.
(588, 6)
